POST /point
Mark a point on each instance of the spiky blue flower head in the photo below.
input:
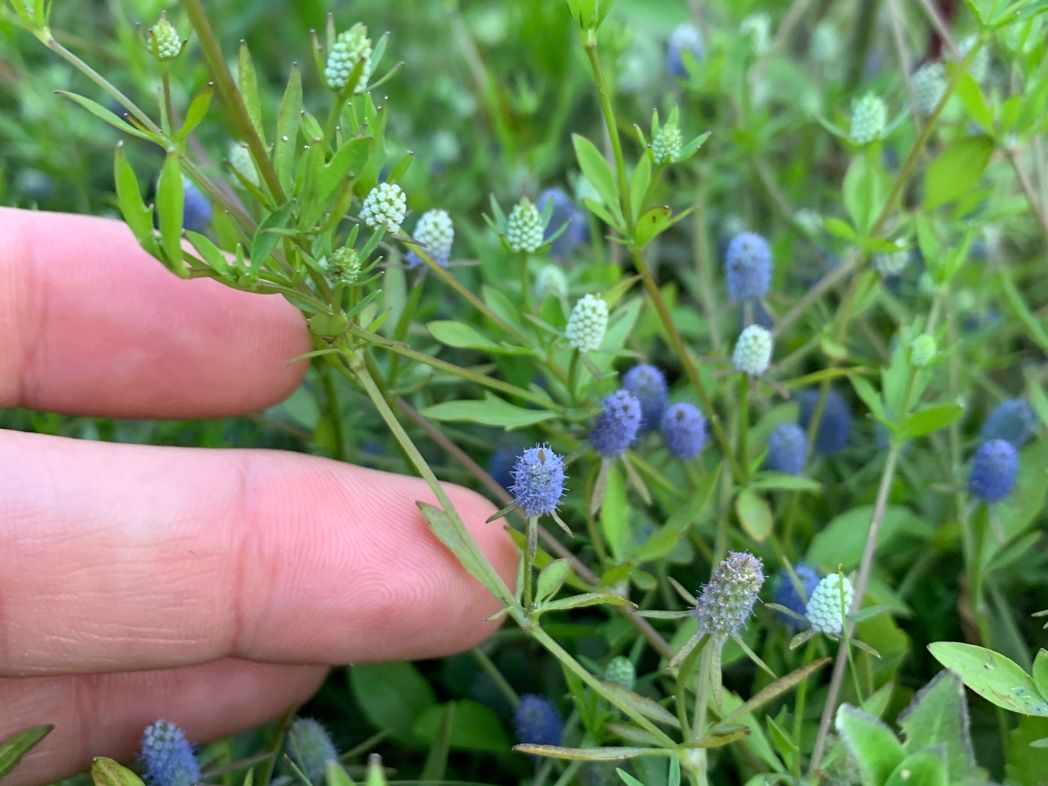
(747, 264)
(786, 593)
(685, 37)
(1012, 420)
(835, 424)
(436, 232)
(311, 749)
(684, 431)
(196, 210)
(994, 468)
(167, 756)
(538, 481)
(564, 211)
(648, 384)
(536, 722)
(617, 425)
(787, 446)
(727, 601)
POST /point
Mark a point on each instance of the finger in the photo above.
(91, 324)
(105, 714)
(120, 557)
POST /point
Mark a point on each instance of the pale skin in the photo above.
(208, 587)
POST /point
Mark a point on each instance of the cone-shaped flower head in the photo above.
(727, 601)
(667, 144)
(748, 266)
(929, 84)
(830, 601)
(994, 469)
(648, 384)
(684, 431)
(350, 47)
(587, 324)
(524, 227)
(835, 424)
(787, 445)
(753, 351)
(385, 206)
(923, 350)
(786, 593)
(869, 119)
(685, 38)
(1012, 420)
(538, 481)
(536, 722)
(620, 670)
(436, 232)
(617, 425)
(168, 41)
(167, 757)
(343, 266)
(311, 749)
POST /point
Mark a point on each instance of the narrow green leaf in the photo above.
(779, 481)
(551, 579)
(654, 221)
(719, 738)
(464, 336)
(248, 83)
(585, 600)
(106, 772)
(614, 513)
(589, 754)
(956, 171)
(639, 185)
(102, 113)
(598, 172)
(266, 239)
(197, 110)
(139, 218)
(931, 419)
(1040, 672)
(1033, 325)
(287, 128)
(19, 744)
(490, 411)
(999, 680)
(349, 160)
(211, 253)
(870, 743)
(170, 202)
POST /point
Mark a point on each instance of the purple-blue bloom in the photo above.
(835, 424)
(786, 593)
(538, 481)
(747, 264)
(196, 210)
(564, 211)
(685, 37)
(536, 722)
(684, 431)
(994, 469)
(167, 757)
(617, 425)
(727, 601)
(311, 749)
(787, 446)
(1013, 420)
(648, 384)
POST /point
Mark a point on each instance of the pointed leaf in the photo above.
(490, 411)
(102, 113)
(957, 171)
(139, 218)
(248, 83)
(999, 680)
(197, 110)
(919, 769)
(871, 744)
(287, 128)
(653, 222)
(774, 690)
(938, 715)
(106, 772)
(19, 744)
(551, 579)
(170, 203)
(754, 515)
(1040, 672)
(614, 513)
(589, 754)
(596, 170)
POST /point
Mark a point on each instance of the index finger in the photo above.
(91, 324)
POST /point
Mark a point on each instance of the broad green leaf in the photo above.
(931, 419)
(974, 103)
(1040, 672)
(392, 696)
(551, 579)
(754, 515)
(596, 170)
(348, 161)
(170, 202)
(639, 184)
(870, 743)
(1026, 758)
(919, 769)
(266, 239)
(197, 110)
(999, 680)
(843, 539)
(474, 727)
(490, 411)
(106, 772)
(139, 218)
(287, 128)
(938, 715)
(102, 113)
(454, 535)
(839, 228)
(615, 514)
(19, 744)
(864, 191)
(464, 336)
(956, 171)
(248, 84)
(654, 221)
(589, 754)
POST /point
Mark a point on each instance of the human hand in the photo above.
(206, 587)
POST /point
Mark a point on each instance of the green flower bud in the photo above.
(869, 119)
(621, 671)
(164, 41)
(524, 227)
(923, 350)
(666, 146)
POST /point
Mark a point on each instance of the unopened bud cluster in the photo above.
(350, 48)
(524, 228)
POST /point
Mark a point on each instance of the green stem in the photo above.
(496, 676)
(334, 411)
(525, 283)
(799, 703)
(744, 425)
(169, 107)
(531, 528)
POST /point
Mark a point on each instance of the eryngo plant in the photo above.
(320, 210)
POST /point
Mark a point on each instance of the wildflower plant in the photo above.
(604, 349)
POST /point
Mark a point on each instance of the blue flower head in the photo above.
(1012, 420)
(167, 757)
(311, 749)
(538, 481)
(564, 211)
(536, 721)
(994, 469)
(834, 425)
(787, 445)
(196, 210)
(685, 38)
(684, 431)
(648, 384)
(617, 425)
(727, 601)
(786, 593)
(747, 263)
